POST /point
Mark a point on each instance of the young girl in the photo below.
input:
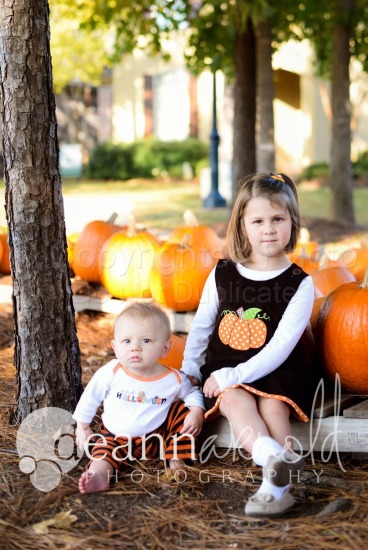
(245, 345)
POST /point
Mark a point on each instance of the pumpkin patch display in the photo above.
(87, 250)
(243, 330)
(125, 263)
(178, 275)
(343, 336)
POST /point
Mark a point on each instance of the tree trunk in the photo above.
(265, 97)
(341, 170)
(47, 358)
(244, 148)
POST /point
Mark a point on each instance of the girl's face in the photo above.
(268, 228)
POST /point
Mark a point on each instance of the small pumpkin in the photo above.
(305, 245)
(178, 275)
(325, 280)
(356, 260)
(87, 250)
(125, 263)
(242, 330)
(343, 337)
(174, 358)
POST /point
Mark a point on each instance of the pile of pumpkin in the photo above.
(339, 318)
(132, 263)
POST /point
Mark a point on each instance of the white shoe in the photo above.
(263, 505)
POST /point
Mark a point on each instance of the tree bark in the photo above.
(341, 169)
(265, 97)
(244, 148)
(47, 357)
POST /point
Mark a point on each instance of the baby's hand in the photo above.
(82, 433)
(193, 422)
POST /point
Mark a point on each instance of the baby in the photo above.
(149, 410)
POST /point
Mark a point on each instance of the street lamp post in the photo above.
(214, 199)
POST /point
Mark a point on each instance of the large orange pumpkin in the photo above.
(125, 264)
(178, 276)
(198, 237)
(325, 280)
(87, 250)
(343, 336)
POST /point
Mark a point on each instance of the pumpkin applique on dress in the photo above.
(243, 330)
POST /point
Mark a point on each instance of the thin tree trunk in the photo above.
(265, 97)
(341, 169)
(244, 148)
(47, 356)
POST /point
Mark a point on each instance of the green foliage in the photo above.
(315, 170)
(316, 20)
(360, 166)
(77, 54)
(145, 159)
(322, 169)
(110, 161)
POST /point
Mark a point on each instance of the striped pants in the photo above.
(165, 442)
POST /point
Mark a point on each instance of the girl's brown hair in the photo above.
(279, 189)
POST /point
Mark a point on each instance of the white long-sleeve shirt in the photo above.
(285, 338)
(134, 405)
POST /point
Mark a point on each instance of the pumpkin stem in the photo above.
(132, 229)
(112, 218)
(365, 280)
(190, 219)
(304, 236)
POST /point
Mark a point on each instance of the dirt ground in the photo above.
(149, 509)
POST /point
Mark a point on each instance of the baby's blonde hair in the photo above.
(145, 310)
(279, 189)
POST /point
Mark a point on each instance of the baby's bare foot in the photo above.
(92, 482)
(177, 467)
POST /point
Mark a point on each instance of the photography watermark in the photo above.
(45, 445)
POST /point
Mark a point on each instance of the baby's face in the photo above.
(138, 343)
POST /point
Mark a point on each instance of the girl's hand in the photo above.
(193, 422)
(211, 387)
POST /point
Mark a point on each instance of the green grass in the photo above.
(162, 204)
